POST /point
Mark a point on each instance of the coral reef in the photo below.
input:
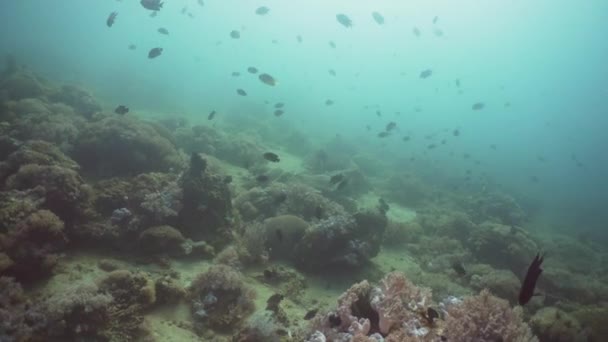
(220, 299)
(207, 204)
(503, 246)
(485, 318)
(161, 239)
(32, 246)
(282, 233)
(551, 324)
(495, 207)
(19, 319)
(112, 146)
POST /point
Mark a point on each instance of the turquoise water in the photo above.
(547, 60)
(538, 69)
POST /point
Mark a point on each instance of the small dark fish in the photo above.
(241, 92)
(273, 302)
(122, 110)
(262, 10)
(534, 179)
(378, 113)
(406, 138)
(529, 283)
(279, 234)
(262, 178)
(438, 32)
(378, 18)
(342, 184)
(153, 14)
(426, 73)
(435, 20)
(391, 126)
(335, 179)
(332, 44)
(282, 332)
(228, 179)
(431, 146)
(252, 70)
(311, 314)
(200, 3)
(132, 46)
(163, 30)
(279, 112)
(318, 212)
(344, 20)
(383, 134)
(155, 52)
(280, 198)
(478, 106)
(334, 320)
(457, 82)
(236, 74)
(184, 10)
(279, 105)
(332, 72)
(329, 102)
(456, 133)
(416, 32)
(234, 34)
(459, 268)
(111, 19)
(299, 38)
(267, 79)
(211, 115)
(431, 314)
(271, 157)
(382, 205)
(153, 5)
(368, 127)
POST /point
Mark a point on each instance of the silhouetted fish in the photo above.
(163, 30)
(478, 106)
(252, 70)
(416, 31)
(459, 268)
(456, 132)
(211, 115)
(278, 112)
(234, 34)
(271, 157)
(153, 5)
(279, 234)
(527, 287)
(267, 79)
(311, 314)
(279, 105)
(155, 52)
(241, 92)
(344, 20)
(378, 18)
(122, 110)
(262, 10)
(335, 179)
(426, 73)
(111, 19)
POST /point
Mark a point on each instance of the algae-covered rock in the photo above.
(503, 246)
(282, 233)
(551, 324)
(161, 239)
(123, 146)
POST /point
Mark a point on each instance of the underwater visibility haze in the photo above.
(243, 170)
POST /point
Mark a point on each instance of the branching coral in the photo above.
(486, 318)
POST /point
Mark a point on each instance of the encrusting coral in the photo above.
(220, 299)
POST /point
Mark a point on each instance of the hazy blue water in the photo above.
(547, 58)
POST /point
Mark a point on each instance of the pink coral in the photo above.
(486, 318)
(397, 300)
